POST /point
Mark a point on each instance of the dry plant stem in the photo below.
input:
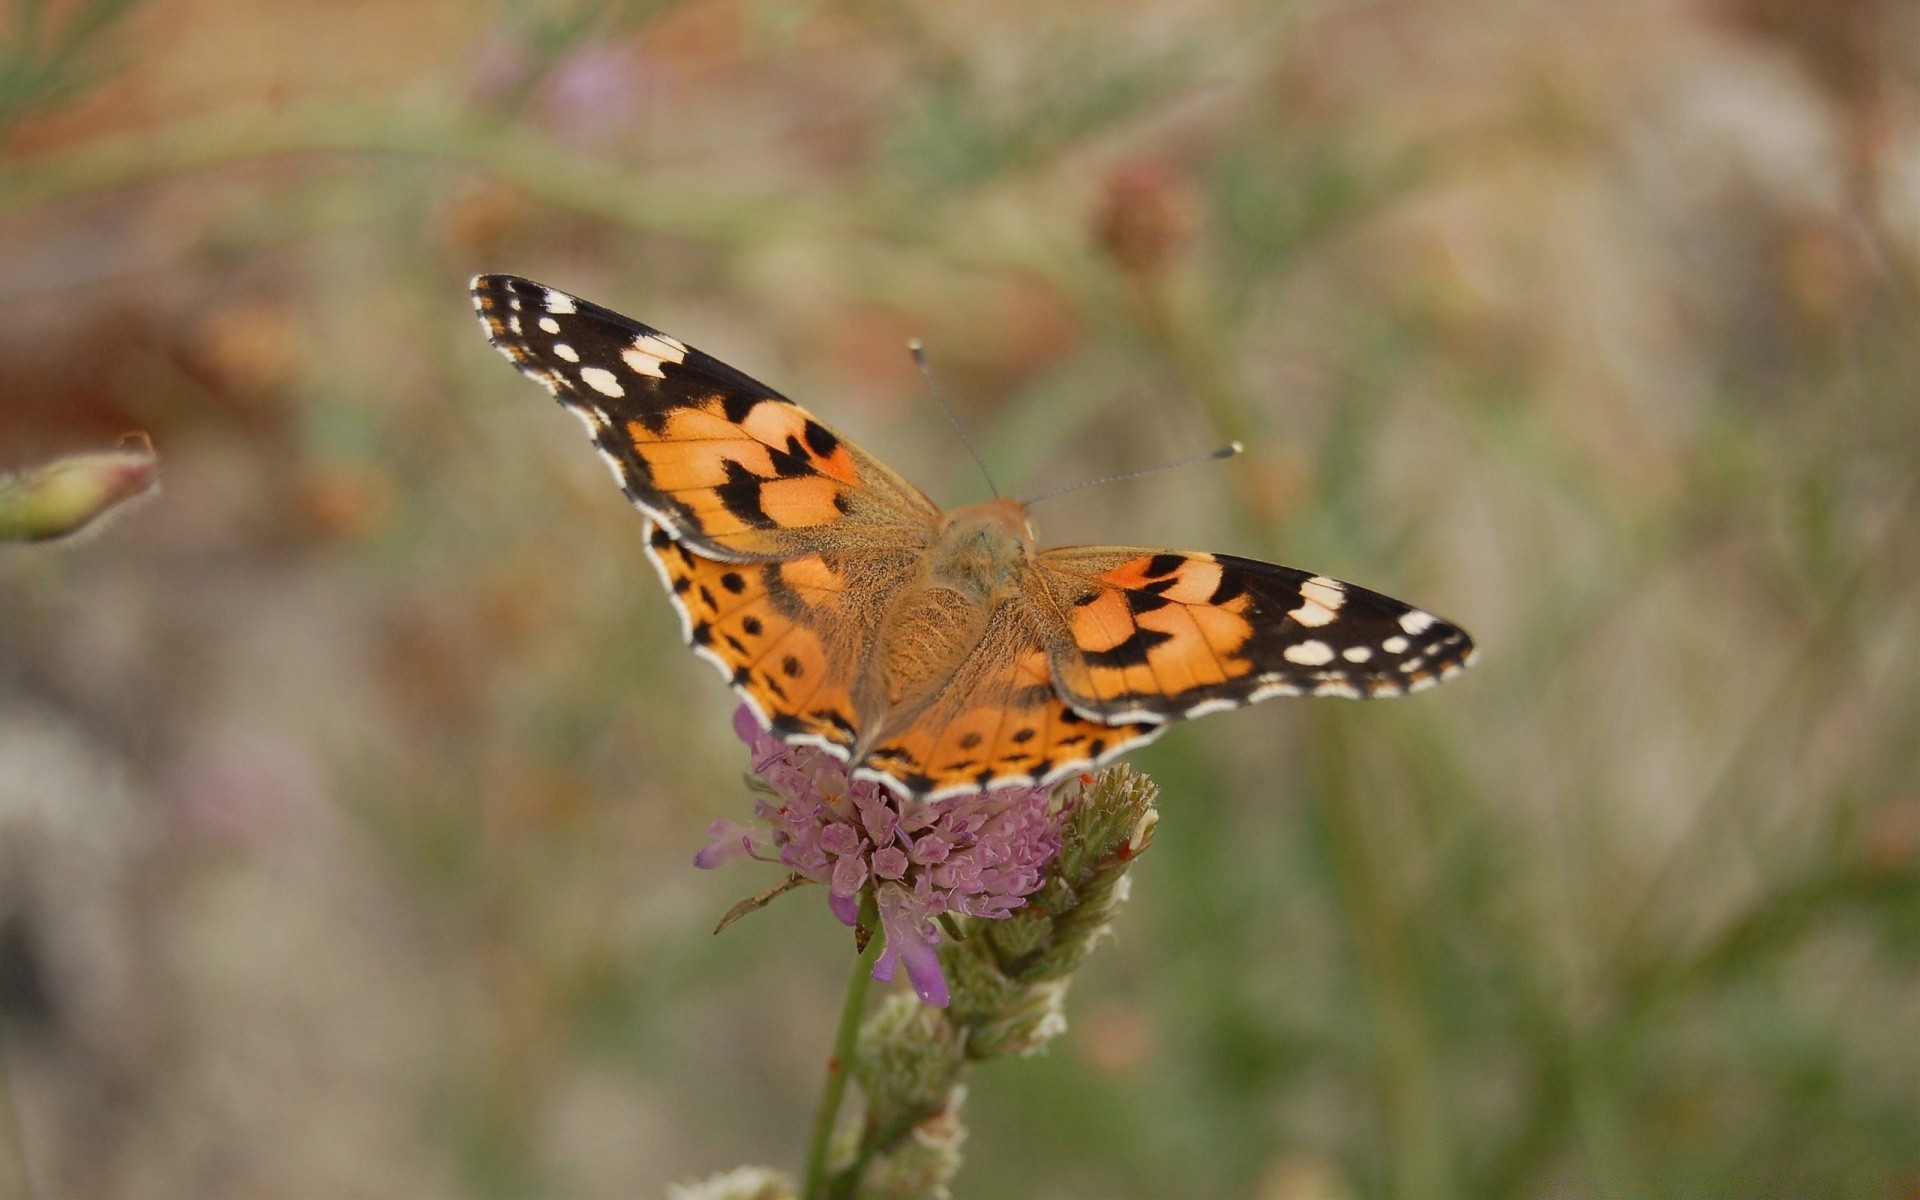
(814, 1186)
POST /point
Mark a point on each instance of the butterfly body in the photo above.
(939, 652)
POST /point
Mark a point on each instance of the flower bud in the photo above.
(68, 494)
(907, 1057)
(920, 1167)
(741, 1183)
(1146, 217)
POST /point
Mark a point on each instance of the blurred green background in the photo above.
(348, 790)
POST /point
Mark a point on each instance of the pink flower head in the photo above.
(979, 855)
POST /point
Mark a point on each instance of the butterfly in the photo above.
(937, 652)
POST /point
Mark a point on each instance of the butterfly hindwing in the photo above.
(998, 721)
(726, 464)
(1146, 635)
(790, 636)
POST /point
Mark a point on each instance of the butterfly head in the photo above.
(984, 547)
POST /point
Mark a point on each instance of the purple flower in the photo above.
(977, 855)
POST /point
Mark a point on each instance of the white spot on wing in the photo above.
(1416, 622)
(1357, 653)
(649, 350)
(1312, 614)
(549, 325)
(567, 352)
(559, 302)
(602, 381)
(1325, 592)
(643, 364)
(1395, 644)
(1308, 654)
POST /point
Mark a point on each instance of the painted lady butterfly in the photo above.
(939, 652)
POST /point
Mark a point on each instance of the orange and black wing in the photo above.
(997, 722)
(728, 466)
(787, 634)
(1144, 635)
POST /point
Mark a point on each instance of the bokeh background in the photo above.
(348, 789)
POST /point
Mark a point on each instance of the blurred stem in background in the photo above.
(39, 66)
(16, 1176)
(1145, 229)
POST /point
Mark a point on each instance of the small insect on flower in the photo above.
(978, 855)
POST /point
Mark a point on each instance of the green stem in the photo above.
(851, 1009)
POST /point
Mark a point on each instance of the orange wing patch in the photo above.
(1139, 634)
(999, 722)
(742, 617)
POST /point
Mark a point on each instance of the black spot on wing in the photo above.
(1163, 564)
(790, 462)
(821, 439)
(1144, 600)
(741, 494)
(736, 405)
(1130, 653)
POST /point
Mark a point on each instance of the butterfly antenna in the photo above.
(920, 360)
(1226, 451)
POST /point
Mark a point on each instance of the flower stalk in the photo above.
(834, 1091)
(1008, 979)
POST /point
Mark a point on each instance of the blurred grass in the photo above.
(1590, 329)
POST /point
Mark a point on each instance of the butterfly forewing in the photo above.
(726, 464)
(1160, 635)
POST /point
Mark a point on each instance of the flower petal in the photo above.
(727, 840)
(889, 863)
(923, 971)
(746, 726)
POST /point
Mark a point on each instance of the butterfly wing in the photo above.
(726, 465)
(789, 635)
(997, 721)
(1143, 635)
